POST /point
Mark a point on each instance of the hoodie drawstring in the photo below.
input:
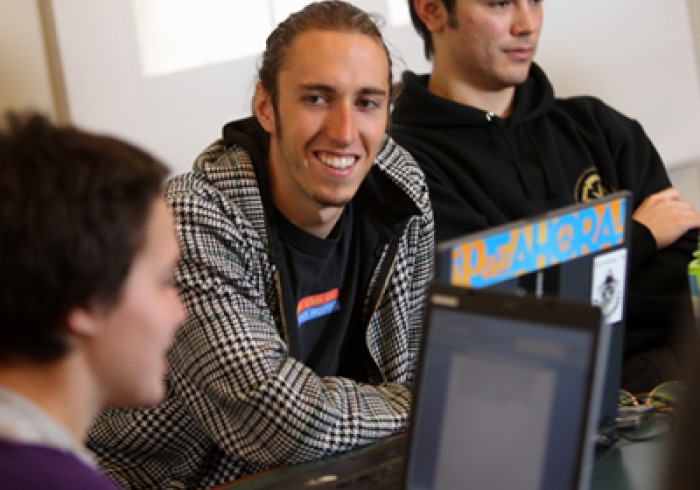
(551, 190)
(492, 118)
(527, 190)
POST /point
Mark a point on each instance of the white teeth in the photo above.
(336, 161)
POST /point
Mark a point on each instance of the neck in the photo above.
(59, 389)
(318, 222)
(448, 85)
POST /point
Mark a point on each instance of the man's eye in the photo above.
(314, 99)
(368, 104)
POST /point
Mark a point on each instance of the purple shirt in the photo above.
(33, 467)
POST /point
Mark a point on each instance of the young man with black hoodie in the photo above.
(496, 146)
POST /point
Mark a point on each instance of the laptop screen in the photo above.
(505, 392)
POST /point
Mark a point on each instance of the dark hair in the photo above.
(423, 31)
(73, 210)
(332, 15)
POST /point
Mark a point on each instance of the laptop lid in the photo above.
(577, 252)
(569, 242)
(507, 393)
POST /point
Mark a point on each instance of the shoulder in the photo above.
(218, 166)
(394, 159)
(223, 178)
(401, 167)
(219, 204)
(593, 116)
(592, 108)
(30, 466)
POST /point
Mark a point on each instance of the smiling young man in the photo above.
(497, 146)
(307, 247)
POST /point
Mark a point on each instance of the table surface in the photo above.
(628, 465)
(636, 464)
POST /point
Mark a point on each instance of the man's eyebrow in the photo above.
(322, 87)
(373, 91)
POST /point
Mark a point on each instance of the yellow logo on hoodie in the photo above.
(590, 186)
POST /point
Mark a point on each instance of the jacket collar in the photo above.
(380, 199)
(417, 106)
(24, 422)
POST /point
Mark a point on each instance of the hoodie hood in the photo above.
(522, 135)
(417, 106)
(394, 184)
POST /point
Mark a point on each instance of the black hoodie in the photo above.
(483, 171)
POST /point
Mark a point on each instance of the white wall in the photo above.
(25, 77)
(175, 114)
(638, 57)
(687, 178)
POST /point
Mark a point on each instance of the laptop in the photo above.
(576, 252)
(508, 392)
(506, 396)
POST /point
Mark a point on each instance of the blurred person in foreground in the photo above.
(88, 305)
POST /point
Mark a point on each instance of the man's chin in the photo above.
(333, 201)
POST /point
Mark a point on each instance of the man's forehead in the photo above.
(322, 60)
(310, 43)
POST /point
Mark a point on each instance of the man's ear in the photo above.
(433, 14)
(264, 110)
(82, 322)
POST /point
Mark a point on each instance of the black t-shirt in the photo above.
(325, 324)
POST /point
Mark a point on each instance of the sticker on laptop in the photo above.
(608, 284)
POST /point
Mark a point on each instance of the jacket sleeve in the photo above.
(229, 362)
(637, 167)
(413, 271)
(659, 321)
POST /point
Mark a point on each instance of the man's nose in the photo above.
(341, 126)
(525, 19)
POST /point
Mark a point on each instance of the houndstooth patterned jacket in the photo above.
(237, 403)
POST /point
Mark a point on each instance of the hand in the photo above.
(667, 215)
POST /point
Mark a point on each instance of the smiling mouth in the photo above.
(338, 162)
